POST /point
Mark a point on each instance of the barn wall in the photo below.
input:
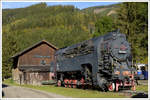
(32, 59)
(16, 75)
(35, 78)
(36, 55)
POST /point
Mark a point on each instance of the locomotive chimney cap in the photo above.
(118, 31)
(115, 32)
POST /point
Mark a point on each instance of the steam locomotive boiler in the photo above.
(103, 62)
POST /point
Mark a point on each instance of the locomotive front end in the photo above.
(115, 63)
(121, 60)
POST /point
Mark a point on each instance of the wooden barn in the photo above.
(32, 65)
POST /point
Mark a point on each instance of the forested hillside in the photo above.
(67, 25)
(103, 10)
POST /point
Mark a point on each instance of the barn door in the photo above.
(25, 77)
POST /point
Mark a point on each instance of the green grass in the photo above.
(77, 93)
(142, 88)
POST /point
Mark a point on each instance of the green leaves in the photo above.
(132, 20)
(103, 25)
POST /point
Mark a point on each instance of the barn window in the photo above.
(43, 62)
(39, 56)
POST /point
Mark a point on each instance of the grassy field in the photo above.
(78, 93)
(142, 88)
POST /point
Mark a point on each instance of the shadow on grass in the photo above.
(4, 85)
(3, 94)
(140, 95)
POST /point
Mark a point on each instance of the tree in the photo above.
(103, 25)
(133, 21)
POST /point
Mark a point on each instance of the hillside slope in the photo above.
(109, 10)
(67, 20)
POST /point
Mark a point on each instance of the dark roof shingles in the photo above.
(33, 46)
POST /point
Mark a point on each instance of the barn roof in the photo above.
(34, 46)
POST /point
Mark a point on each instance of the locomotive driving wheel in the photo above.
(58, 83)
(111, 87)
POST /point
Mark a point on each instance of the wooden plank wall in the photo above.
(33, 56)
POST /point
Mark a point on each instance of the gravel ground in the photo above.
(21, 92)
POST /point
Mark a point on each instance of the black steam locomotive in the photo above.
(103, 62)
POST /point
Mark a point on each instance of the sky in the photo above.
(80, 5)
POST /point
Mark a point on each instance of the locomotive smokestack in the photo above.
(118, 31)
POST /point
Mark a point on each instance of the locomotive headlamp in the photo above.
(117, 72)
(126, 73)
